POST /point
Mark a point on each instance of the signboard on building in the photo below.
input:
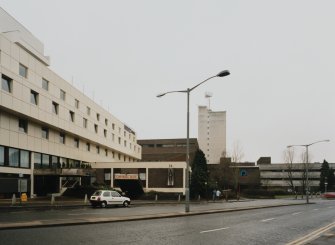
(126, 176)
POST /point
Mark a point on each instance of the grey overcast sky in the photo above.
(281, 55)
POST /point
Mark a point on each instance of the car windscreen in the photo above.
(97, 193)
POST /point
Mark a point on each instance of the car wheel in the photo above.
(125, 204)
(103, 204)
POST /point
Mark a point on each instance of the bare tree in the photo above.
(236, 158)
(289, 159)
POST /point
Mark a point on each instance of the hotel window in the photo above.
(113, 137)
(119, 156)
(24, 159)
(45, 84)
(113, 126)
(113, 154)
(88, 146)
(62, 95)
(23, 125)
(98, 116)
(105, 133)
(76, 143)
(6, 83)
(76, 103)
(119, 139)
(2, 156)
(106, 152)
(124, 134)
(37, 160)
(23, 71)
(96, 128)
(98, 149)
(106, 121)
(88, 110)
(33, 97)
(13, 157)
(62, 138)
(45, 161)
(84, 122)
(125, 143)
(55, 108)
(71, 116)
(45, 133)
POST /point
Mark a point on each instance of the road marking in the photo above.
(330, 207)
(85, 213)
(296, 213)
(219, 229)
(311, 236)
(315, 209)
(266, 220)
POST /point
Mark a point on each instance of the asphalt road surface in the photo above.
(263, 226)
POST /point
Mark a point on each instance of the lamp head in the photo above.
(160, 95)
(223, 73)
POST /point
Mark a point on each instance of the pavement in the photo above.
(325, 235)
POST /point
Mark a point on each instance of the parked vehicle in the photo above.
(103, 198)
(328, 195)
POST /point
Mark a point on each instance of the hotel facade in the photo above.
(50, 132)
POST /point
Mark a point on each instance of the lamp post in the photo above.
(306, 146)
(188, 91)
(326, 183)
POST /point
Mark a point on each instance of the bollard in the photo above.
(85, 201)
(52, 199)
(13, 199)
(156, 198)
(199, 198)
(179, 198)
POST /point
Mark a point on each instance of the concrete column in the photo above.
(32, 175)
(146, 178)
(112, 177)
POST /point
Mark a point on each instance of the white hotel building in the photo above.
(49, 130)
(212, 133)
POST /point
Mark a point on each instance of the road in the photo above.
(261, 226)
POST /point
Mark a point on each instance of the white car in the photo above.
(103, 198)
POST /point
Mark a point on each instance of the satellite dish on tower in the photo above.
(208, 96)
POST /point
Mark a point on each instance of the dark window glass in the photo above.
(105, 133)
(13, 157)
(96, 128)
(37, 160)
(23, 71)
(45, 161)
(23, 125)
(45, 84)
(24, 159)
(62, 94)
(76, 143)
(6, 83)
(85, 123)
(76, 102)
(55, 108)
(71, 116)
(45, 133)
(62, 138)
(2, 156)
(34, 97)
(88, 146)
(54, 162)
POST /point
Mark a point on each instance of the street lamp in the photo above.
(306, 146)
(188, 91)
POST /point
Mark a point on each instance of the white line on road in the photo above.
(315, 209)
(330, 207)
(219, 229)
(296, 213)
(266, 220)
